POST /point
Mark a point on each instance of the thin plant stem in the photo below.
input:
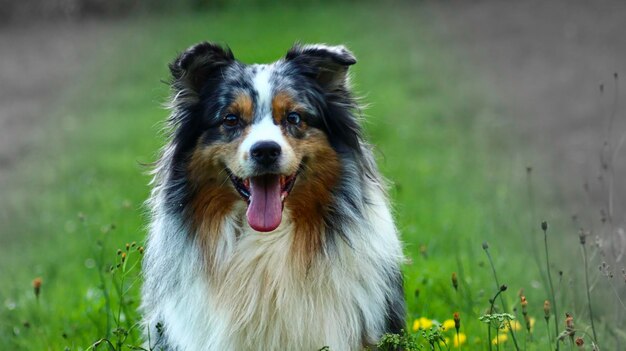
(593, 328)
(549, 335)
(504, 307)
(467, 292)
(533, 219)
(520, 323)
(105, 293)
(556, 314)
(619, 299)
(122, 306)
(492, 302)
(103, 340)
(614, 107)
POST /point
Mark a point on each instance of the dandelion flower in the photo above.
(422, 323)
(425, 323)
(512, 325)
(532, 322)
(459, 339)
(499, 339)
(448, 324)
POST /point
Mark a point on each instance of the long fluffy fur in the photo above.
(253, 295)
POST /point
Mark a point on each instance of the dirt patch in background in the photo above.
(544, 61)
(38, 63)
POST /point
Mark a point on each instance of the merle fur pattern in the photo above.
(204, 81)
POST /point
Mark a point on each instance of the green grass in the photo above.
(437, 136)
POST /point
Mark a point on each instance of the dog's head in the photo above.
(269, 136)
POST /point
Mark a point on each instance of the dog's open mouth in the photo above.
(265, 195)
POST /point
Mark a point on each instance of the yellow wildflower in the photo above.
(448, 324)
(416, 325)
(422, 323)
(459, 339)
(425, 323)
(515, 325)
(445, 342)
(499, 339)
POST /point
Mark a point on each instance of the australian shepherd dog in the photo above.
(270, 225)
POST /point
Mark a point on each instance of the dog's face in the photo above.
(267, 135)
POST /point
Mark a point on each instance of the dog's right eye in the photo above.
(231, 120)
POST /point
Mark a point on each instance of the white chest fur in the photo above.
(258, 300)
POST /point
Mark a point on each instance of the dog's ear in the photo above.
(328, 65)
(191, 69)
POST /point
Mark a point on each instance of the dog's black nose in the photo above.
(265, 152)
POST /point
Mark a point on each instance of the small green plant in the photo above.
(497, 320)
(122, 276)
(403, 341)
(502, 288)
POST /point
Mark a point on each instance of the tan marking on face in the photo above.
(213, 196)
(311, 196)
(282, 104)
(242, 106)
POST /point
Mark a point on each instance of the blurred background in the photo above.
(488, 118)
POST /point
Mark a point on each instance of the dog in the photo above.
(270, 224)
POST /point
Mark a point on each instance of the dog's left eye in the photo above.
(293, 118)
(231, 120)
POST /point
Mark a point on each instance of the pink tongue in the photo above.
(266, 209)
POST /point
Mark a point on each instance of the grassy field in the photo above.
(70, 207)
